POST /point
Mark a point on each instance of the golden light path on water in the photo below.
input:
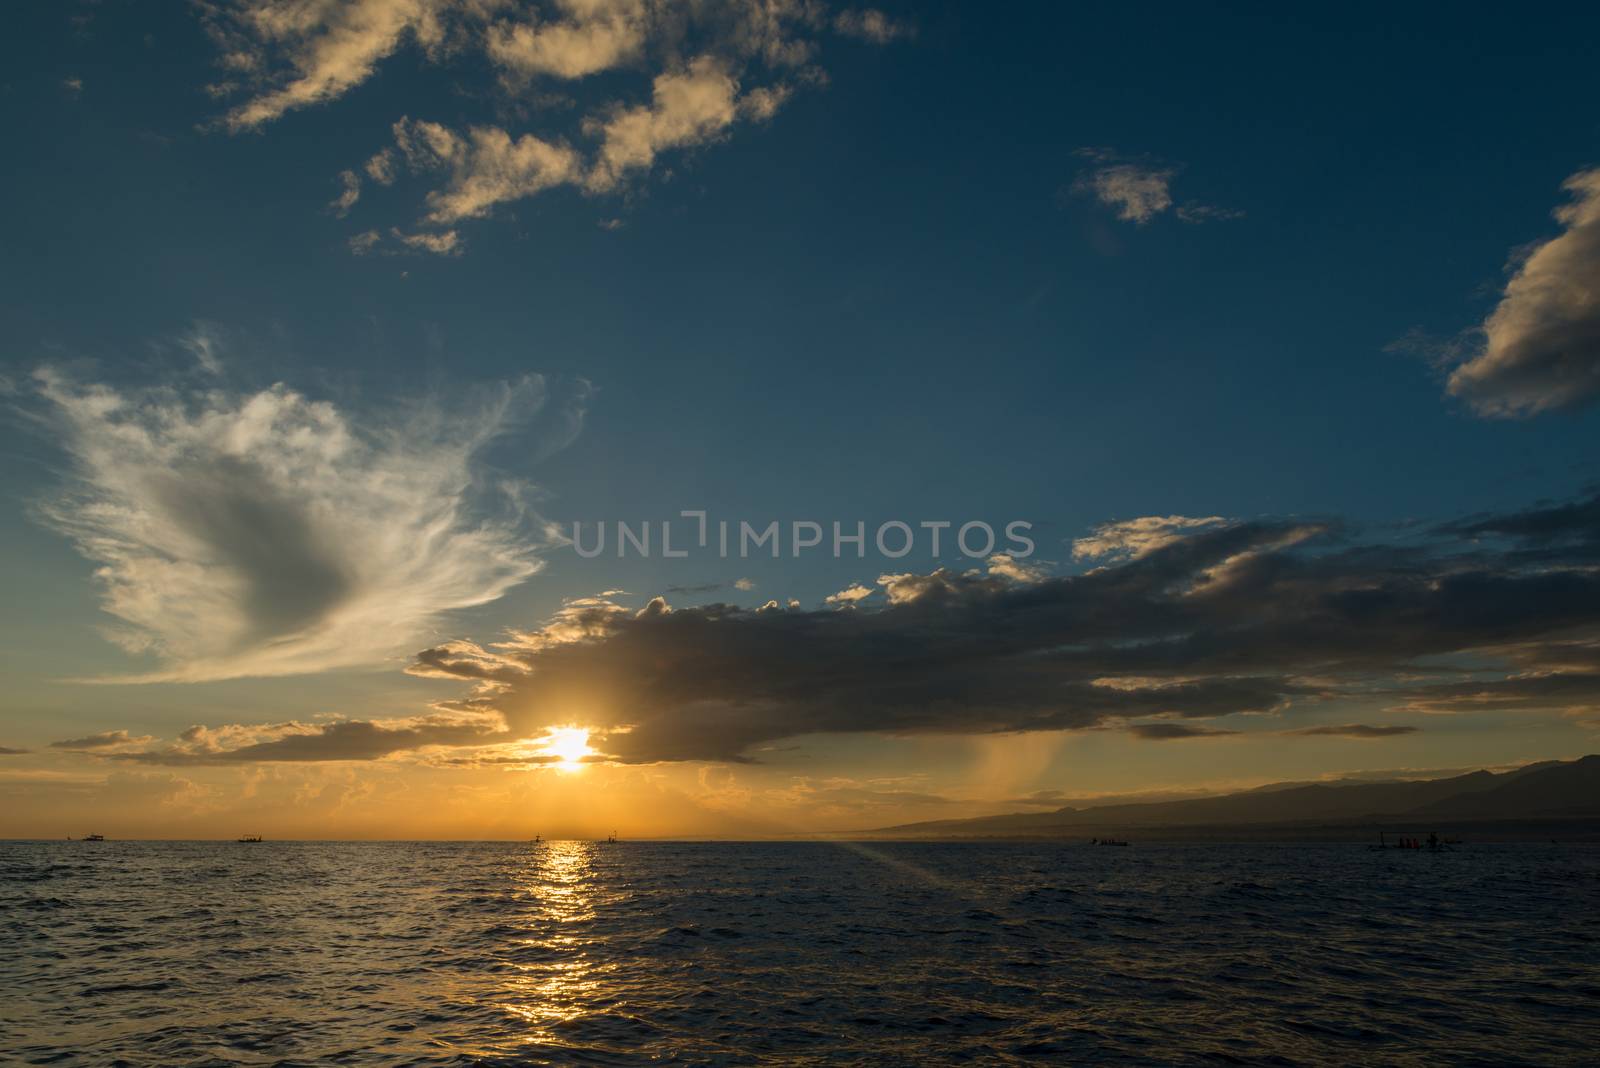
(563, 979)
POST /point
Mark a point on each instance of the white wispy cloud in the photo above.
(1540, 348)
(241, 533)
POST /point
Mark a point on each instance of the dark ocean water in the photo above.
(429, 953)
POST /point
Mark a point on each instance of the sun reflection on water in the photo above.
(557, 978)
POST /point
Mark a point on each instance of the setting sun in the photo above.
(570, 745)
(799, 532)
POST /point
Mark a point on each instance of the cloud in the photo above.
(687, 107)
(443, 243)
(870, 24)
(380, 167)
(1540, 347)
(709, 66)
(105, 740)
(1138, 190)
(203, 341)
(1137, 193)
(365, 242)
(245, 533)
(1243, 617)
(320, 50)
(744, 584)
(1133, 538)
(1008, 566)
(1557, 686)
(348, 197)
(1566, 523)
(1351, 730)
(1251, 617)
(850, 595)
(486, 166)
(1042, 798)
(342, 740)
(589, 37)
(6, 750)
(1167, 732)
(704, 587)
(1192, 211)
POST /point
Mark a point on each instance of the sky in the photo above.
(1245, 365)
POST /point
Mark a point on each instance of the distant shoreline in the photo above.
(1566, 830)
(1581, 830)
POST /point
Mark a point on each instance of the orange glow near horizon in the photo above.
(569, 745)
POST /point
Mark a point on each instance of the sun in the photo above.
(569, 745)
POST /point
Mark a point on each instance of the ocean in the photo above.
(311, 953)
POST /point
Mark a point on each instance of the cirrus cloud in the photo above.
(264, 532)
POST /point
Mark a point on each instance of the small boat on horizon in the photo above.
(249, 838)
(1432, 844)
(93, 838)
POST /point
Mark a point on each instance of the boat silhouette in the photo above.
(93, 838)
(249, 838)
(1403, 840)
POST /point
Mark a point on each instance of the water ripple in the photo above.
(580, 953)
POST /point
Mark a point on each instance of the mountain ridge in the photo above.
(1544, 790)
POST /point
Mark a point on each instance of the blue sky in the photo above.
(905, 287)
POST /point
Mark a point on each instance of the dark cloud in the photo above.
(1551, 690)
(1045, 798)
(104, 740)
(504, 760)
(1352, 730)
(1571, 521)
(6, 750)
(1167, 732)
(1247, 617)
(1214, 620)
(342, 740)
